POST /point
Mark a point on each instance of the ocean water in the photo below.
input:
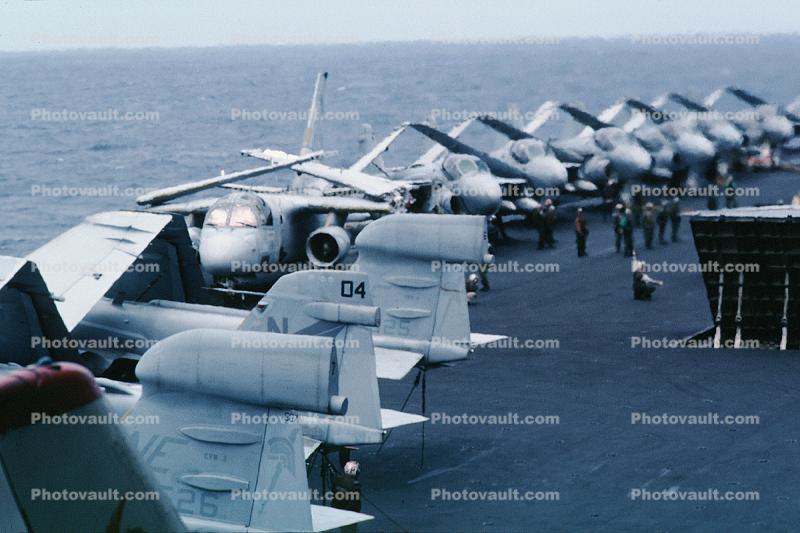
(196, 93)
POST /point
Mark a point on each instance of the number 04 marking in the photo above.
(349, 289)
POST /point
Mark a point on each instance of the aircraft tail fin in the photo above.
(314, 113)
(712, 98)
(228, 432)
(419, 283)
(336, 304)
(110, 487)
(541, 116)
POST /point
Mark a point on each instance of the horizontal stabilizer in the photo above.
(327, 518)
(309, 446)
(481, 339)
(395, 364)
(393, 419)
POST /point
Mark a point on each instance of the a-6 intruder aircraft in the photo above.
(251, 234)
(183, 462)
(725, 134)
(521, 190)
(599, 152)
(772, 124)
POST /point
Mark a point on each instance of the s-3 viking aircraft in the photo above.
(248, 234)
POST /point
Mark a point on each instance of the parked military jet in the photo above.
(436, 182)
(726, 136)
(600, 152)
(692, 150)
(185, 460)
(772, 124)
(249, 235)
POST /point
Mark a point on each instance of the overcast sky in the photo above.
(59, 24)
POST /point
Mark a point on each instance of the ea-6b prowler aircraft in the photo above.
(182, 463)
(247, 235)
(93, 289)
(203, 350)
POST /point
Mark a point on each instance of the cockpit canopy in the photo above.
(610, 138)
(526, 149)
(240, 210)
(457, 166)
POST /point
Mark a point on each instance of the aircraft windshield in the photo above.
(217, 217)
(239, 212)
(609, 138)
(243, 216)
(524, 151)
(456, 167)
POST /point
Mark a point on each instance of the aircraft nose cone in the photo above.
(547, 172)
(632, 162)
(479, 194)
(226, 251)
(695, 149)
(778, 129)
(727, 138)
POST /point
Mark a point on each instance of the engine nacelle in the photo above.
(327, 246)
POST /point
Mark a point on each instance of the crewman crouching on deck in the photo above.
(643, 285)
